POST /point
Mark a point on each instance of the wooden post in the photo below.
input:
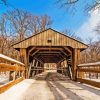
(75, 62)
(58, 67)
(37, 67)
(11, 75)
(23, 55)
(81, 74)
(14, 76)
(78, 56)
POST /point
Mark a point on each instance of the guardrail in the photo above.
(89, 73)
(13, 70)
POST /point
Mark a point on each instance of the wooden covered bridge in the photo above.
(49, 48)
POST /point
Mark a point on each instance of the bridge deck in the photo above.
(50, 86)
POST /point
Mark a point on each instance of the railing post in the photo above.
(14, 75)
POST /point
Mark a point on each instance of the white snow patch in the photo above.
(17, 90)
(10, 59)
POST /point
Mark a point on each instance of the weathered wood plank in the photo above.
(90, 82)
(8, 67)
(96, 70)
(56, 38)
(13, 61)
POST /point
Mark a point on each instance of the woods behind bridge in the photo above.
(17, 25)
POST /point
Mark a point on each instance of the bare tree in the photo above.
(25, 24)
(40, 23)
(19, 21)
(3, 35)
(5, 38)
(63, 3)
(92, 53)
(72, 4)
(17, 25)
(72, 34)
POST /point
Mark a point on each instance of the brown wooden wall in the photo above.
(57, 39)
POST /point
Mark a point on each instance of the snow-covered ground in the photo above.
(96, 80)
(50, 86)
(4, 77)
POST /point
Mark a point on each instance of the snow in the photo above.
(89, 64)
(31, 89)
(10, 59)
(17, 90)
(96, 80)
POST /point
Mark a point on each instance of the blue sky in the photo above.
(62, 19)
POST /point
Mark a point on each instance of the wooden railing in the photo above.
(13, 70)
(89, 74)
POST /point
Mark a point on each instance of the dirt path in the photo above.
(50, 86)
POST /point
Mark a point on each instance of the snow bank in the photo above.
(10, 59)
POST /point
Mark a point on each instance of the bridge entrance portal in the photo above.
(50, 49)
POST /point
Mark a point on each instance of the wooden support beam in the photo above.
(90, 82)
(8, 67)
(62, 55)
(48, 52)
(31, 50)
(64, 52)
(68, 50)
(23, 53)
(50, 48)
(76, 61)
(74, 67)
(78, 56)
(39, 60)
(35, 52)
(92, 70)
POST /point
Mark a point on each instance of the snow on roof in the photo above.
(10, 59)
(89, 64)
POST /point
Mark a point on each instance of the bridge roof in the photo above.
(50, 37)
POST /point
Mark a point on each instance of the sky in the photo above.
(77, 21)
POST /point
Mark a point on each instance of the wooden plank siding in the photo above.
(7, 67)
(57, 39)
(93, 70)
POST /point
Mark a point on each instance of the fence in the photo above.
(13, 70)
(89, 73)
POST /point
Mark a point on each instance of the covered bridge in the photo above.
(50, 46)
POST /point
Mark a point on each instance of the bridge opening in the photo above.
(50, 67)
(57, 59)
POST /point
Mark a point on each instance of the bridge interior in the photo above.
(40, 58)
